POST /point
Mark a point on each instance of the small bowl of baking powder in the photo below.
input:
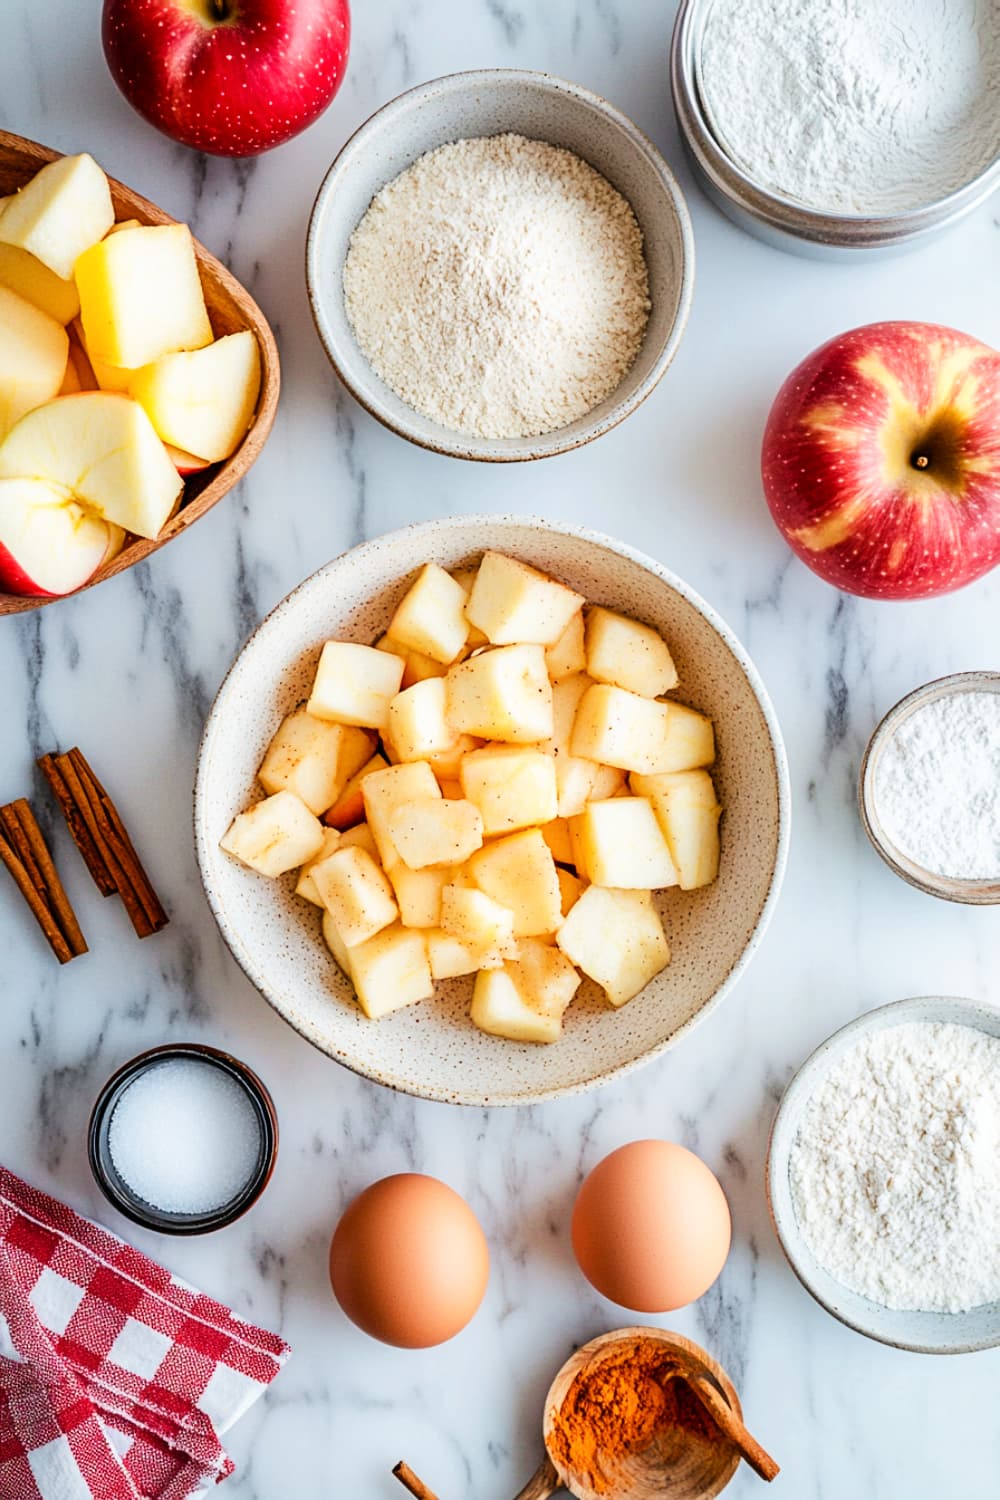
(832, 127)
(500, 265)
(883, 1175)
(929, 788)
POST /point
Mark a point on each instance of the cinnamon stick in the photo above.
(117, 836)
(85, 805)
(89, 851)
(411, 1482)
(39, 910)
(21, 816)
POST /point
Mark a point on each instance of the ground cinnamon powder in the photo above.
(618, 1405)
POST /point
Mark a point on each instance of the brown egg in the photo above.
(651, 1227)
(409, 1262)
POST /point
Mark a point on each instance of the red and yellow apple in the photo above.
(881, 460)
(231, 77)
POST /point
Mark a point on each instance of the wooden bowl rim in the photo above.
(231, 470)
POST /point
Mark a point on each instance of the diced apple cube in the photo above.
(465, 578)
(628, 654)
(485, 926)
(514, 603)
(446, 764)
(431, 616)
(349, 807)
(418, 894)
(416, 724)
(306, 886)
(688, 813)
(359, 836)
(385, 791)
(688, 743)
(63, 210)
(520, 873)
(203, 400)
(504, 694)
(622, 845)
(336, 943)
(618, 728)
(34, 351)
(609, 781)
(275, 835)
(355, 685)
(306, 757)
(568, 656)
(417, 668)
(435, 831)
(24, 274)
(512, 787)
(617, 939)
(543, 975)
(575, 777)
(141, 296)
(356, 893)
(449, 956)
(523, 1001)
(556, 835)
(570, 889)
(390, 971)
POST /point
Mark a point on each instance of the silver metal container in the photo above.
(969, 892)
(779, 221)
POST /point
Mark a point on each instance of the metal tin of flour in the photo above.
(779, 221)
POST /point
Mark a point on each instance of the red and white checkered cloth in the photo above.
(115, 1377)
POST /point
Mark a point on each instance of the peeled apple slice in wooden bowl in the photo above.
(230, 310)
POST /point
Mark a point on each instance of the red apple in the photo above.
(881, 460)
(232, 77)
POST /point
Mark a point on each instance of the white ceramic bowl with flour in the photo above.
(833, 127)
(432, 1049)
(463, 107)
(851, 1132)
(929, 788)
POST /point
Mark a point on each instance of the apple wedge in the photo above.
(103, 449)
(24, 274)
(60, 213)
(203, 402)
(34, 350)
(48, 544)
(141, 296)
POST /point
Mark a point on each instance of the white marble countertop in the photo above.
(129, 670)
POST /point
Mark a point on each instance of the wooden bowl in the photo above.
(230, 309)
(674, 1467)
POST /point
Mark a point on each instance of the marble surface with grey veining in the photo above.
(128, 671)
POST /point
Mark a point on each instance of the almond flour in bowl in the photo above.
(498, 286)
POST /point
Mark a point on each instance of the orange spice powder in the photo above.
(618, 1405)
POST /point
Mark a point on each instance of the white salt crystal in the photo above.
(184, 1136)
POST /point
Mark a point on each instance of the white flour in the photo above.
(895, 1172)
(855, 106)
(498, 285)
(937, 786)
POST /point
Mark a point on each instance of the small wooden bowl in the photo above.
(230, 309)
(675, 1468)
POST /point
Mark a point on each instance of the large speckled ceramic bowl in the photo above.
(921, 1332)
(431, 1048)
(493, 102)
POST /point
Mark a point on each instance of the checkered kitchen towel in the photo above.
(115, 1378)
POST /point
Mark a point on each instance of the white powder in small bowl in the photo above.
(185, 1137)
(499, 286)
(937, 786)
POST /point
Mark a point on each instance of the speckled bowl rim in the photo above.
(945, 887)
(951, 1008)
(416, 531)
(464, 445)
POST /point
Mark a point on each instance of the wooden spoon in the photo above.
(674, 1466)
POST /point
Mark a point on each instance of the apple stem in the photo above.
(221, 9)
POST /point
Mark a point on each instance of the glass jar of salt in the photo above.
(183, 1139)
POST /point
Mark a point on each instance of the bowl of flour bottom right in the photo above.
(922, 1332)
